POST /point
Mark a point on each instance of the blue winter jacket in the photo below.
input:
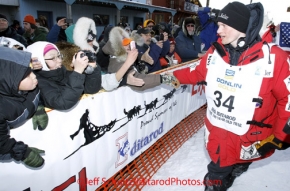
(187, 47)
(155, 52)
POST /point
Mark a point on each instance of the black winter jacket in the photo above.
(11, 33)
(61, 89)
(16, 107)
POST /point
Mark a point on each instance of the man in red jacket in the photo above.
(247, 85)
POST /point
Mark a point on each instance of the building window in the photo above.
(172, 4)
(101, 20)
(159, 18)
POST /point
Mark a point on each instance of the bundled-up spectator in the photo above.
(19, 100)
(17, 27)
(149, 23)
(7, 31)
(151, 51)
(32, 32)
(121, 53)
(57, 32)
(61, 89)
(102, 58)
(188, 44)
(208, 33)
(84, 36)
(171, 58)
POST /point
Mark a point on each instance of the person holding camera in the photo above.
(188, 43)
(59, 88)
(151, 50)
(122, 51)
(84, 36)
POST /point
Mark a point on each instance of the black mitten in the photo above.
(268, 144)
(32, 157)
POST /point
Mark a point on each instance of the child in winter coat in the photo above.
(19, 97)
(61, 89)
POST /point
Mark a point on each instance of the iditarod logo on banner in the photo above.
(124, 146)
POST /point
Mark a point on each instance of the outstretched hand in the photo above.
(132, 80)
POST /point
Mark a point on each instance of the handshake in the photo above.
(268, 144)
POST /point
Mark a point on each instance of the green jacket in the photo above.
(38, 35)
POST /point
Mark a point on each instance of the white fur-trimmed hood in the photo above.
(114, 45)
(80, 33)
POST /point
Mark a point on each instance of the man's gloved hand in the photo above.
(32, 157)
(170, 80)
(268, 144)
(40, 118)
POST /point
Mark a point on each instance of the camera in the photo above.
(68, 21)
(4, 42)
(161, 37)
(91, 57)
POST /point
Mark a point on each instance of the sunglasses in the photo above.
(150, 26)
(189, 25)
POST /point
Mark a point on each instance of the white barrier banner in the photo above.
(104, 132)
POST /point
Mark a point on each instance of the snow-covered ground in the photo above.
(190, 162)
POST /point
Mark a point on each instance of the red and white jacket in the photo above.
(246, 103)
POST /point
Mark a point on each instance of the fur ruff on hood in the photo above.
(68, 50)
(137, 38)
(114, 45)
(37, 49)
(80, 33)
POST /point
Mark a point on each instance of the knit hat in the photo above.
(3, 17)
(29, 19)
(189, 20)
(48, 48)
(235, 15)
(143, 31)
(126, 41)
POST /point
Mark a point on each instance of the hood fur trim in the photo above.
(114, 45)
(68, 50)
(137, 38)
(80, 33)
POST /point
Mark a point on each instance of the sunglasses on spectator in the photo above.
(60, 56)
(189, 25)
(150, 26)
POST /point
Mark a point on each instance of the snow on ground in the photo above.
(190, 162)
